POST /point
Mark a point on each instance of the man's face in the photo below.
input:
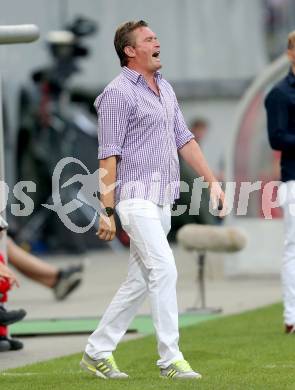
(146, 50)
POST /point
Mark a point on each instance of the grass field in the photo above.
(246, 351)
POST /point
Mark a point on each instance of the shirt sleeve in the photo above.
(182, 133)
(113, 111)
(277, 109)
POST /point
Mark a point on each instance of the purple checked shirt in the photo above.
(144, 130)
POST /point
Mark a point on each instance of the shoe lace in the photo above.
(112, 363)
(182, 365)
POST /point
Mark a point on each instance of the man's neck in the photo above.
(148, 76)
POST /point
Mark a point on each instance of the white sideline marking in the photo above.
(279, 366)
(19, 373)
(36, 373)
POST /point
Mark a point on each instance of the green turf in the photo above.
(247, 351)
(142, 324)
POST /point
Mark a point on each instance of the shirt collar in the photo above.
(134, 76)
(291, 78)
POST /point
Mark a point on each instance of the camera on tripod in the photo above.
(66, 44)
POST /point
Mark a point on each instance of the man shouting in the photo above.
(141, 128)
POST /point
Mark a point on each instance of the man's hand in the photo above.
(6, 273)
(107, 228)
(218, 201)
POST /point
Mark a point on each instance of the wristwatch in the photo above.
(109, 211)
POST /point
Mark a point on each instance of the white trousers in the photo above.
(287, 194)
(152, 272)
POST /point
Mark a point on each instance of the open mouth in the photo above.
(156, 54)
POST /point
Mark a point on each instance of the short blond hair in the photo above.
(291, 40)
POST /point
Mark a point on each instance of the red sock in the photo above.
(4, 288)
(3, 330)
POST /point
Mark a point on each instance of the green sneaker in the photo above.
(179, 369)
(103, 368)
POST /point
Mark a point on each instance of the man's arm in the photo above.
(192, 155)
(113, 112)
(280, 137)
(190, 151)
(107, 181)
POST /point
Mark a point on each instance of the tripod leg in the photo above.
(201, 278)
